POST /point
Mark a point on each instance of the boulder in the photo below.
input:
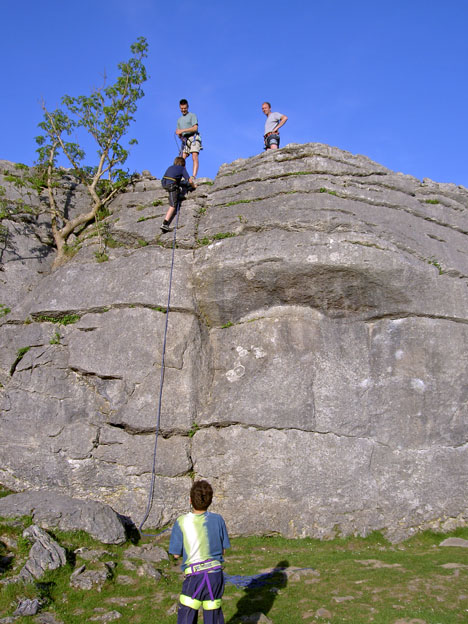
(52, 510)
(44, 555)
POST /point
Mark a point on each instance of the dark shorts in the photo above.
(272, 139)
(175, 189)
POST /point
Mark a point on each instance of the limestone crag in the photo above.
(316, 360)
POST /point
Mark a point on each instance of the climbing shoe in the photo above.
(165, 227)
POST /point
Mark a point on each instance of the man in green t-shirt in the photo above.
(187, 131)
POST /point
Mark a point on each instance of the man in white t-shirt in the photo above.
(272, 125)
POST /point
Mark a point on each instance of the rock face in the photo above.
(316, 359)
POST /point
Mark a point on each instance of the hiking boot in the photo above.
(165, 228)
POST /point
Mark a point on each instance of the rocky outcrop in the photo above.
(52, 510)
(316, 355)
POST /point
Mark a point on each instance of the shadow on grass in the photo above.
(260, 593)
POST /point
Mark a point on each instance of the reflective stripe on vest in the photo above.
(190, 602)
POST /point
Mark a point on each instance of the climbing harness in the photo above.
(197, 569)
(186, 141)
(161, 382)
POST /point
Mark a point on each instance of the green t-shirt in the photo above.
(187, 121)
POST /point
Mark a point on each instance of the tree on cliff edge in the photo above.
(106, 115)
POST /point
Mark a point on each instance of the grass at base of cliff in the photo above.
(356, 580)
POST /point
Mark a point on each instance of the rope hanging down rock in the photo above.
(161, 382)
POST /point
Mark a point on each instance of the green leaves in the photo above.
(105, 114)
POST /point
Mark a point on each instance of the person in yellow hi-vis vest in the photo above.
(201, 537)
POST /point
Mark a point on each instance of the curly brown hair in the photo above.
(201, 495)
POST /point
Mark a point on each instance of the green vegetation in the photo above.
(3, 233)
(101, 256)
(10, 208)
(226, 325)
(243, 201)
(222, 235)
(55, 338)
(193, 430)
(19, 356)
(4, 491)
(324, 190)
(105, 115)
(206, 240)
(22, 352)
(358, 580)
(66, 319)
(140, 219)
(431, 201)
(4, 310)
(436, 263)
(158, 202)
(142, 242)
(112, 243)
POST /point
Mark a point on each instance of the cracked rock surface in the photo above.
(316, 359)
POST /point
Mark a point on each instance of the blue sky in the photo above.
(387, 79)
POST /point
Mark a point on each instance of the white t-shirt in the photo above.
(272, 121)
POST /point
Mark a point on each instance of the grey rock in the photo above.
(323, 613)
(173, 609)
(106, 617)
(319, 338)
(140, 277)
(458, 542)
(90, 554)
(90, 579)
(123, 579)
(128, 565)
(27, 606)
(147, 552)
(44, 555)
(146, 569)
(8, 620)
(47, 618)
(340, 599)
(50, 510)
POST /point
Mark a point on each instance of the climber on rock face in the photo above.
(272, 125)
(187, 131)
(176, 181)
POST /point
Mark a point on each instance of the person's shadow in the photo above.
(260, 592)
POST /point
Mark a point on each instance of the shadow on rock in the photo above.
(260, 593)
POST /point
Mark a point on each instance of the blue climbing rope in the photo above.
(182, 144)
(161, 382)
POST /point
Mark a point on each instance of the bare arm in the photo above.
(193, 128)
(281, 122)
